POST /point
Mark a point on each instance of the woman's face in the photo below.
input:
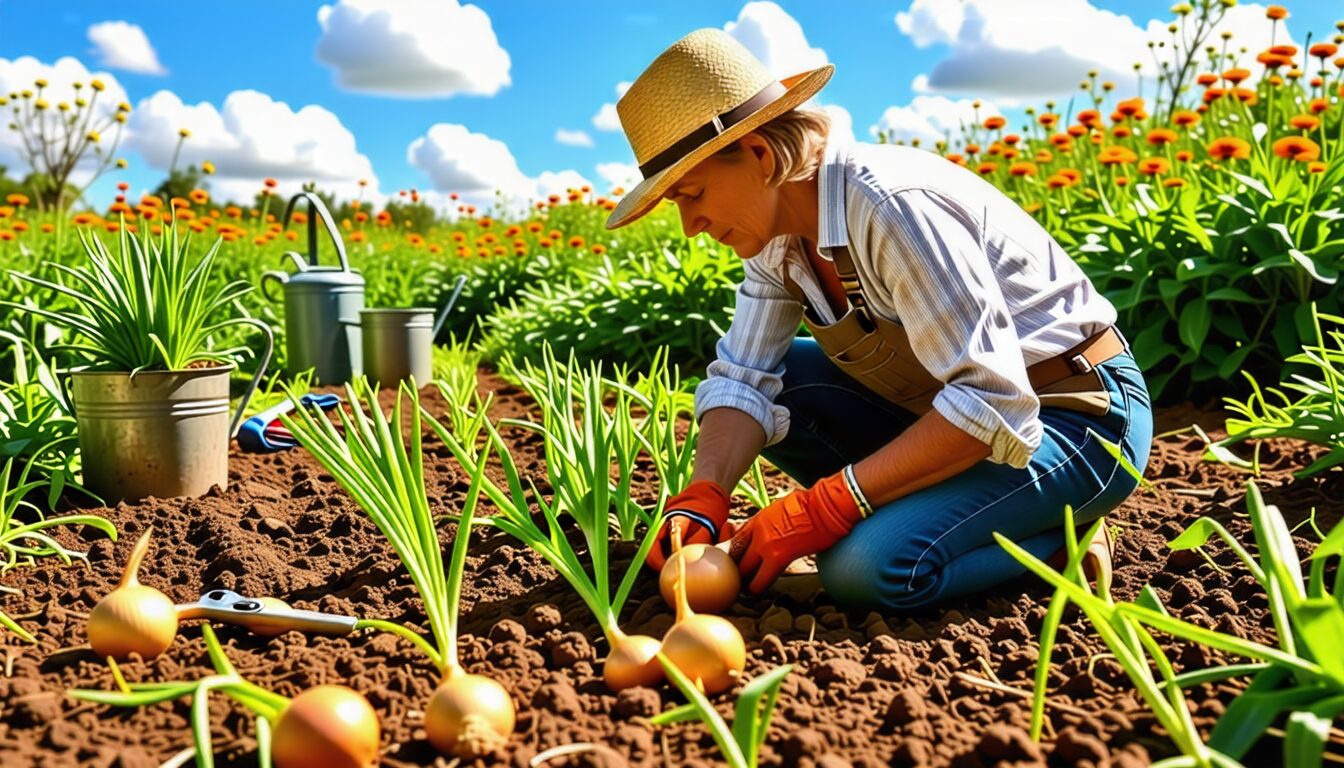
(726, 196)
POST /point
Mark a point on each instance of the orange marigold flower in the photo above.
(1047, 119)
(1061, 139)
(1121, 131)
(984, 169)
(534, 227)
(499, 250)
(1043, 156)
(1206, 78)
(1304, 122)
(1173, 182)
(995, 122)
(1113, 155)
(1283, 50)
(599, 249)
(1319, 105)
(1236, 75)
(1077, 130)
(1057, 181)
(1323, 51)
(6, 235)
(1316, 166)
(1089, 117)
(48, 228)
(84, 218)
(544, 242)
(956, 158)
(270, 183)
(1154, 165)
(151, 201)
(553, 199)
(556, 234)
(1212, 94)
(1009, 153)
(1023, 168)
(1185, 118)
(1130, 107)
(1121, 181)
(971, 149)
(512, 230)
(1298, 148)
(1159, 136)
(16, 199)
(576, 242)
(1273, 60)
(1276, 12)
(1246, 95)
(1011, 139)
(20, 226)
(1229, 148)
(1184, 156)
(199, 196)
(180, 202)
(1072, 174)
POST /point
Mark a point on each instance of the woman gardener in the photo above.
(960, 373)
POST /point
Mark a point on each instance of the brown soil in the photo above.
(867, 690)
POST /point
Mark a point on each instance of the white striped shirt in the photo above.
(982, 290)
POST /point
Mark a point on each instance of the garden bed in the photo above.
(926, 689)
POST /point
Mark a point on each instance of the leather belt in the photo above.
(1079, 360)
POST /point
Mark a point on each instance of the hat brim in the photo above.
(647, 193)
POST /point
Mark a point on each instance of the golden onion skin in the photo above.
(708, 650)
(271, 602)
(469, 715)
(633, 661)
(712, 579)
(326, 726)
(132, 619)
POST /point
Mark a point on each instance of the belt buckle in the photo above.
(1080, 365)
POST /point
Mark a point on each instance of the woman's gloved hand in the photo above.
(802, 523)
(701, 512)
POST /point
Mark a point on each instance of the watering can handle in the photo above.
(315, 204)
(256, 377)
(279, 277)
(443, 313)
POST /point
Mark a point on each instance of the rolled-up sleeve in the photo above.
(931, 252)
(747, 373)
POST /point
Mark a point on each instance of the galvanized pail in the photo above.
(158, 433)
(398, 344)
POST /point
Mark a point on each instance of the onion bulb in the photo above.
(469, 715)
(275, 604)
(712, 578)
(326, 726)
(133, 618)
(707, 649)
(633, 661)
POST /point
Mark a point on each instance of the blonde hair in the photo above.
(797, 139)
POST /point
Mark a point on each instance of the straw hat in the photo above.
(700, 95)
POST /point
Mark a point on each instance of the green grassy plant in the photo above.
(740, 743)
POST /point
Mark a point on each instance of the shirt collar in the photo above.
(831, 228)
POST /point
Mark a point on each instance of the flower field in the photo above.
(453, 571)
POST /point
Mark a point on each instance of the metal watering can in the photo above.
(317, 298)
(398, 343)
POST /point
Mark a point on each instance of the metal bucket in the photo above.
(398, 345)
(157, 433)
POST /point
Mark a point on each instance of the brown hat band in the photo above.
(713, 128)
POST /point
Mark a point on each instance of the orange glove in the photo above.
(700, 511)
(802, 523)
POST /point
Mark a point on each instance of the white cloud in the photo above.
(930, 118)
(842, 123)
(253, 137)
(624, 175)
(606, 118)
(412, 48)
(124, 46)
(21, 74)
(776, 38)
(573, 138)
(475, 166)
(1039, 48)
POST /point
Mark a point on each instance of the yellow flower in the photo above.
(97, 85)
(207, 167)
(63, 106)
(94, 137)
(40, 82)
(40, 104)
(184, 132)
(121, 117)
(123, 107)
(121, 162)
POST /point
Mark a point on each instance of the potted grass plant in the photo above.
(152, 404)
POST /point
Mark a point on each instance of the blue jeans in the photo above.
(936, 544)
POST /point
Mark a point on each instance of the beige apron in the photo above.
(876, 352)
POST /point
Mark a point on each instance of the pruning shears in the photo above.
(264, 432)
(229, 607)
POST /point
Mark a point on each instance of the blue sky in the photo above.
(564, 61)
